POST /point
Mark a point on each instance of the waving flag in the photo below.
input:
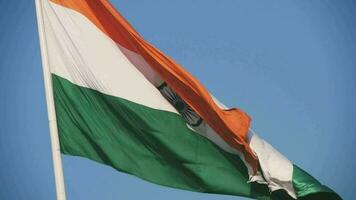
(121, 102)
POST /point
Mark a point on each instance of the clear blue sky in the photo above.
(290, 64)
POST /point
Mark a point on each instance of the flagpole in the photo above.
(56, 152)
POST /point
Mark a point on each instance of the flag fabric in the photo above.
(122, 102)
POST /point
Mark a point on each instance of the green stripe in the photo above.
(308, 188)
(152, 144)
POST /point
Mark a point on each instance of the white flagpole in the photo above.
(56, 153)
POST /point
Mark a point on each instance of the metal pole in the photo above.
(56, 153)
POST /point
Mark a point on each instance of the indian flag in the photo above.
(122, 102)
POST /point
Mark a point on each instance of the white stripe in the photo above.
(277, 169)
(140, 63)
(84, 55)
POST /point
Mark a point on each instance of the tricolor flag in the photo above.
(121, 102)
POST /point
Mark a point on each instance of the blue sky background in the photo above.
(290, 64)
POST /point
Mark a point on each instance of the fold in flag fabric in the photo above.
(122, 102)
